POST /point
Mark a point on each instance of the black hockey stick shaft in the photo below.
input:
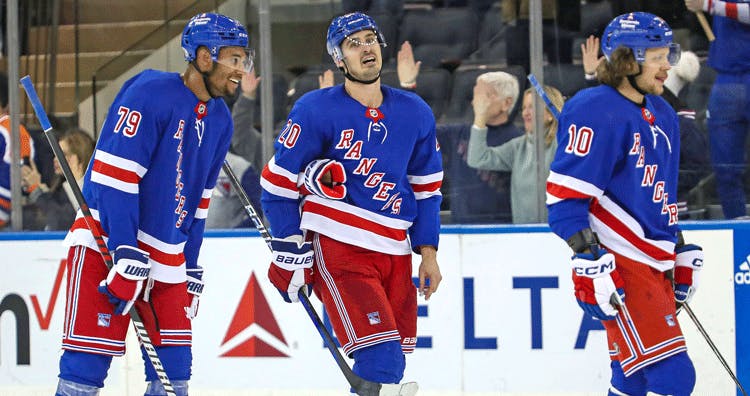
(360, 385)
(713, 346)
(28, 86)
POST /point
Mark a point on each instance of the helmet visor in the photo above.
(674, 54)
(244, 63)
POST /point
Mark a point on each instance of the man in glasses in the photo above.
(148, 187)
(369, 193)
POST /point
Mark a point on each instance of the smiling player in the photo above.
(612, 195)
(148, 187)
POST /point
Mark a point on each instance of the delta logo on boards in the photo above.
(254, 331)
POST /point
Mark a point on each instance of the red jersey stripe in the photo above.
(278, 180)
(563, 192)
(626, 233)
(169, 259)
(355, 221)
(434, 186)
(115, 172)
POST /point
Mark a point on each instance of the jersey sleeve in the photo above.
(739, 11)
(129, 136)
(589, 148)
(425, 174)
(299, 142)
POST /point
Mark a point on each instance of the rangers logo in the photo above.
(648, 116)
(103, 320)
(374, 114)
(374, 317)
(201, 110)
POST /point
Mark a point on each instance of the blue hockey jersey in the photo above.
(155, 165)
(393, 171)
(615, 171)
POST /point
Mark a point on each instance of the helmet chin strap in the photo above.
(348, 76)
(634, 84)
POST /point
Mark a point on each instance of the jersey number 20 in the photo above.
(579, 140)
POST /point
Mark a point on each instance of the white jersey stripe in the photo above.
(426, 179)
(353, 235)
(117, 184)
(280, 191)
(119, 162)
(359, 212)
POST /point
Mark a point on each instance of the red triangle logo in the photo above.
(253, 309)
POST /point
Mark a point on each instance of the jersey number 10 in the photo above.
(579, 140)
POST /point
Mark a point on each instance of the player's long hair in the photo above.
(621, 64)
(557, 99)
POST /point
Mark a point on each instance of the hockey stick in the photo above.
(706, 27)
(538, 87)
(362, 386)
(713, 346)
(90, 222)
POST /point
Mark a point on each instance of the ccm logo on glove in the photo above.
(593, 271)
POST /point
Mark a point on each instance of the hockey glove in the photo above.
(195, 288)
(596, 280)
(125, 280)
(291, 268)
(325, 178)
(687, 269)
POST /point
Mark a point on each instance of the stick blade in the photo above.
(406, 389)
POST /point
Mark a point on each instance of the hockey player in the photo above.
(148, 188)
(612, 194)
(378, 146)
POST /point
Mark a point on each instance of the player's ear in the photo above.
(203, 59)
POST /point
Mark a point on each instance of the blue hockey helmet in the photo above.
(639, 31)
(344, 26)
(213, 31)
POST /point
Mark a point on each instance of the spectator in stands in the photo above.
(56, 202)
(694, 159)
(27, 152)
(246, 159)
(517, 156)
(557, 40)
(475, 196)
(728, 115)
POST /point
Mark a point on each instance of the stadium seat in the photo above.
(491, 43)
(440, 37)
(433, 86)
(307, 81)
(595, 16)
(568, 78)
(459, 108)
(388, 25)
